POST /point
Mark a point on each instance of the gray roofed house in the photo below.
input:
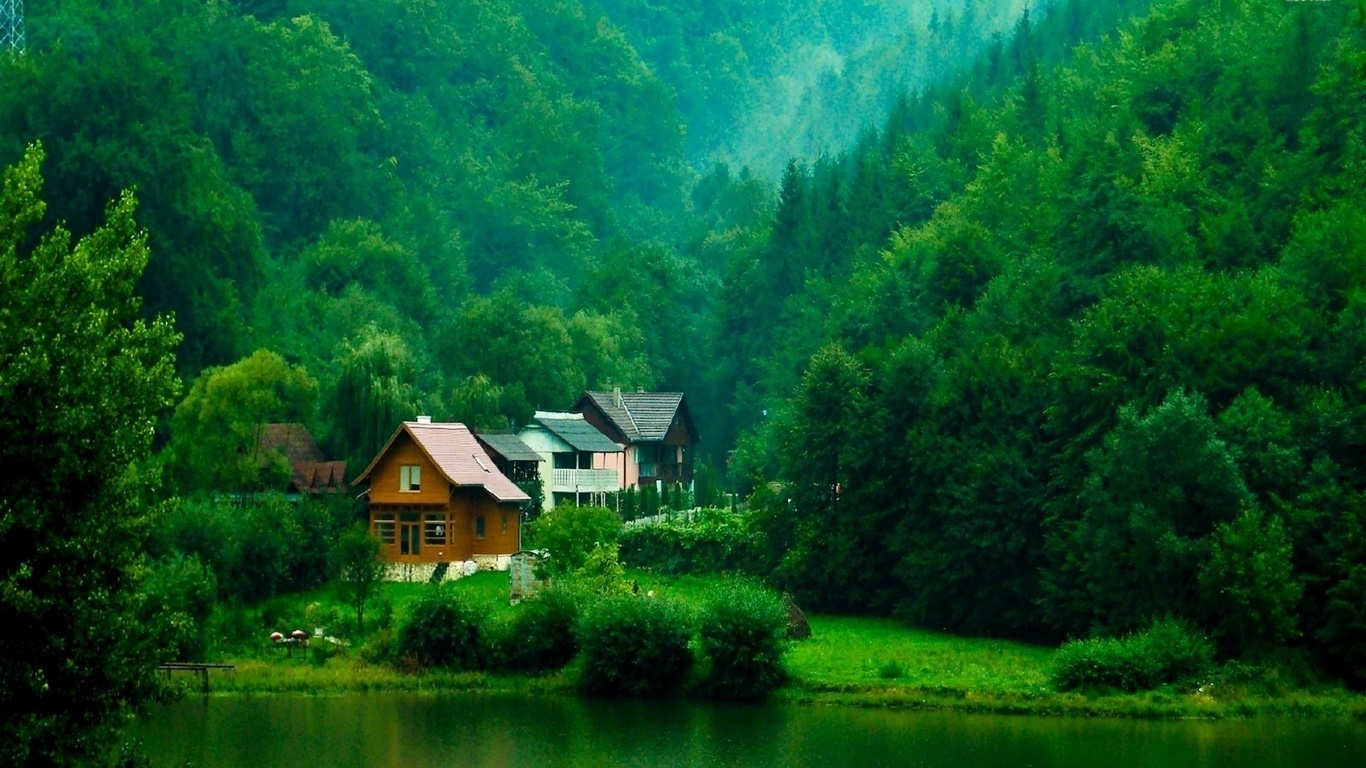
(513, 457)
(579, 464)
(654, 428)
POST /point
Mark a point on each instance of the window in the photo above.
(384, 528)
(434, 529)
(410, 477)
(479, 527)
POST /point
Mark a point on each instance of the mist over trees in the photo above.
(1027, 319)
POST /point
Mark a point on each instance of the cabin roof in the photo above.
(509, 447)
(310, 472)
(457, 456)
(575, 430)
(641, 416)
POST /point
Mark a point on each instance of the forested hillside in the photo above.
(1045, 316)
(471, 209)
(1105, 365)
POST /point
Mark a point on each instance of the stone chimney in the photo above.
(424, 419)
(616, 396)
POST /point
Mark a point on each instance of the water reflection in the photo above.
(492, 731)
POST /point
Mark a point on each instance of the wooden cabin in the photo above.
(310, 474)
(435, 496)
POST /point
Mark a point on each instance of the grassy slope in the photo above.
(848, 661)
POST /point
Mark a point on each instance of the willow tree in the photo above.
(82, 380)
(374, 391)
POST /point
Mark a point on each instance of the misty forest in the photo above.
(1027, 319)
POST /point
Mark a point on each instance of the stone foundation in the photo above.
(420, 572)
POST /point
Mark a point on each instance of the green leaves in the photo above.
(82, 381)
(216, 445)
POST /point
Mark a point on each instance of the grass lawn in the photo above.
(851, 661)
(847, 653)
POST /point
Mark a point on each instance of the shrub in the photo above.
(179, 601)
(443, 629)
(379, 649)
(571, 533)
(635, 646)
(717, 541)
(742, 632)
(1166, 652)
(540, 635)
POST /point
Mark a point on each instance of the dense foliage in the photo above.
(1104, 367)
(443, 629)
(742, 631)
(1166, 652)
(634, 646)
(714, 541)
(540, 635)
(82, 381)
(571, 534)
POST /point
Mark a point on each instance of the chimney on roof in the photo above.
(424, 419)
(616, 396)
(640, 389)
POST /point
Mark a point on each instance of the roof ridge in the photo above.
(630, 416)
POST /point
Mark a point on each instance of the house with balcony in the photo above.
(654, 430)
(579, 464)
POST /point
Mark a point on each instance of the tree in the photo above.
(81, 382)
(359, 568)
(818, 439)
(217, 437)
(374, 391)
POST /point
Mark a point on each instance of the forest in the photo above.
(1021, 319)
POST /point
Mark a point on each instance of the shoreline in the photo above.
(341, 677)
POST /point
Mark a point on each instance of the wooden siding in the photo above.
(385, 476)
(459, 540)
(457, 507)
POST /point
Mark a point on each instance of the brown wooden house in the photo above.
(309, 472)
(436, 497)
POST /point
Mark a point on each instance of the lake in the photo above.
(417, 731)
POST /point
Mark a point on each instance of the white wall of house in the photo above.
(592, 480)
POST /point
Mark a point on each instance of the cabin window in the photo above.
(479, 527)
(384, 528)
(410, 477)
(434, 529)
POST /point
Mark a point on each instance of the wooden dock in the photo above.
(201, 669)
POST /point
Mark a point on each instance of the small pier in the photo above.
(201, 669)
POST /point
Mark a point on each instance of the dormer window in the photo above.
(410, 478)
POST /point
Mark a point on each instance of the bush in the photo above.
(571, 533)
(635, 646)
(443, 629)
(540, 636)
(742, 630)
(179, 601)
(718, 541)
(1167, 652)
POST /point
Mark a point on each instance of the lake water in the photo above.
(413, 731)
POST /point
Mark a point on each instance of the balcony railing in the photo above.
(584, 481)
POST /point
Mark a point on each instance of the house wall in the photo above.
(501, 525)
(458, 508)
(385, 476)
(546, 444)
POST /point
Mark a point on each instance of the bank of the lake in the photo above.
(849, 661)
